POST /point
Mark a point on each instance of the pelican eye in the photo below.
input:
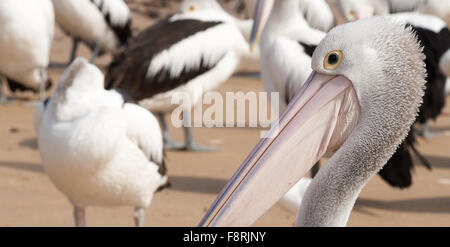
(192, 8)
(332, 60)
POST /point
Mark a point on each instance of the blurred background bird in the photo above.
(192, 52)
(27, 29)
(103, 25)
(180, 47)
(97, 149)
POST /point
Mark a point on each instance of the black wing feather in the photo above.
(16, 86)
(128, 71)
(308, 49)
(123, 32)
(435, 45)
(397, 172)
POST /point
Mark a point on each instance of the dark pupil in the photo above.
(333, 59)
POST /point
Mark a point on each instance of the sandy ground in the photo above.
(28, 198)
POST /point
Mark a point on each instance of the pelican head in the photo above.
(357, 105)
(79, 88)
(80, 75)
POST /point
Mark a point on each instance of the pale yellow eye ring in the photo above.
(332, 60)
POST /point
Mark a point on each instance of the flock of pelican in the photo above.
(354, 93)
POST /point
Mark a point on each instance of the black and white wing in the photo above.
(168, 55)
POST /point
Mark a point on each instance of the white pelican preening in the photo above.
(26, 28)
(104, 25)
(359, 103)
(199, 47)
(97, 149)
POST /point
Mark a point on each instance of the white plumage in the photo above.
(438, 8)
(285, 65)
(96, 149)
(292, 200)
(317, 13)
(223, 50)
(359, 104)
(447, 86)
(210, 10)
(26, 28)
(357, 9)
(94, 22)
(431, 23)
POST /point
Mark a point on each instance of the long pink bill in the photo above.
(291, 148)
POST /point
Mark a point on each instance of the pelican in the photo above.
(97, 149)
(104, 25)
(434, 36)
(200, 47)
(286, 46)
(359, 103)
(317, 13)
(286, 63)
(27, 28)
(357, 9)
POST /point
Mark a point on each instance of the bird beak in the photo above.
(311, 125)
(262, 13)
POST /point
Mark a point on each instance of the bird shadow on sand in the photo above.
(421, 205)
(438, 162)
(197, 184)
(32, 167)
(30, 143)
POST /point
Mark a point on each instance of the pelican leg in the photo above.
(139, 216)
(73, 53)
(41, 91)
(189, 136)
(95, 52)
(4, 99)
(168, 142)
(79, 216)
(42, 85)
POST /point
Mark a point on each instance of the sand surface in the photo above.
(28, 198)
